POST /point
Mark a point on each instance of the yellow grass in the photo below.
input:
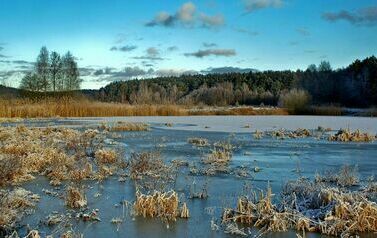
(82, 108)
(345, 135)
(71, 107)
(160, 205)
(129, 126)
(330, 211)
(58, 153)
(13, 205)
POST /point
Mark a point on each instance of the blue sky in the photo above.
(119, 40)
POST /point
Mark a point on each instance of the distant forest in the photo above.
(353, 86)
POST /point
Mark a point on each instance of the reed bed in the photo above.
(163, 205)
(81, 107)
(70, 107)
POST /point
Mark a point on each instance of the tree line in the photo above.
(353, 86)
(52, 72)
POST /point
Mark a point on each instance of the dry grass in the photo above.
(347, 176)
(129, 126)
(149, 171)
(78, 107)
(200, 142)
(326, 110)
(160, 205)
(75, 198)
(58, 153)
(69, 107)
(105, 156)
(243, 110)
(13, 205)
(218, 159)
(307, 206)
(345, 135)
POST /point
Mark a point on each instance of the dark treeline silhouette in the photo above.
(53, 72)
(353, 86)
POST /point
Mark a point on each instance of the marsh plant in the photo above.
(307, 206)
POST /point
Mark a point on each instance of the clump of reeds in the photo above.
(13, 205)
(218, 159)
(58, 153)
(150, 172)
(300, 133)
(75, 198)
(307, 206)
(163, 205)
(200, 142)
(345, 177)
(345, 135)
(106, 156)
(258, 135)
(129, 126)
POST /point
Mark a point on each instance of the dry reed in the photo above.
(58, 153)
(70, 107)
(345, 135)
(129, 126)
(75, 198)
(14, 204)
(163, 205)
(307, 206)
(200, 142)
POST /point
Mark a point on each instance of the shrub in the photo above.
(295, 100)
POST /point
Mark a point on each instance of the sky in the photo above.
(120, 40)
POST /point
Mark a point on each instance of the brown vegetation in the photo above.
(150, 172)
(347, 176)
(219, 158)
(129, 126)
(13, 205)
(68, 107)
(307, 206)
(58, 153)
(345, 135)
(75, 198)
(161, 205)
(200, 142)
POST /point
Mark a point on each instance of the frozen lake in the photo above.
(279, 161)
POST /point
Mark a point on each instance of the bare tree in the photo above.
(55, 70)
(42, 69)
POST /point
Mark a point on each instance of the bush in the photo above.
(295, 100)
